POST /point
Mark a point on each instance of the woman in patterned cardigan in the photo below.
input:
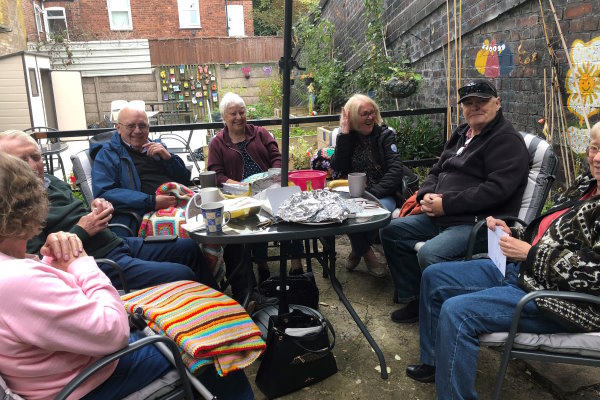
(560, 250)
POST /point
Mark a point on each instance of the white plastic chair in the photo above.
(137, 105)
(115, 107)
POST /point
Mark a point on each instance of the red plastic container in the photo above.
(308, 178)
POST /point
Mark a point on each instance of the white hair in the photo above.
(16, 134)
(230, 99)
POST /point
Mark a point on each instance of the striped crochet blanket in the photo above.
(208, 326)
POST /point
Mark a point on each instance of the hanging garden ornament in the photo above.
(226, 66)
(268, 70)
(246, 72)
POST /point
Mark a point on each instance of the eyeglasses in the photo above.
(131, 127)
(593, 149)
(479, 87)
(366, 114)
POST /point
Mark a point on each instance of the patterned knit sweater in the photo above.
(567, 258)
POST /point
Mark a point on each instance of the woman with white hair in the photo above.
(237, 152)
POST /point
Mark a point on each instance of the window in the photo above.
(55, 20)
(38, 19)
(189, 13)
(35, 91)
(119, 15)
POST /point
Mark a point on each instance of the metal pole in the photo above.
(286, 64)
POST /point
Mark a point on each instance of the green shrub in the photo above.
(417, 137)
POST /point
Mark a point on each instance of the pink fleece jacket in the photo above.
(53, 324)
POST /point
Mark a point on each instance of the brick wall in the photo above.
(151, 19)
(11, 17)
(422, 27)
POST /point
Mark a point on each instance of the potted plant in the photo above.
(403, 83)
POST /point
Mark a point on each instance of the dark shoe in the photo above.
(352, 262)
(263, 274)
(296, 271)
(422, 373)
(408, 314)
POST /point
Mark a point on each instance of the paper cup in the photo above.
(209, 194)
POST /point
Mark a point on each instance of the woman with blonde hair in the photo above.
(365, 144)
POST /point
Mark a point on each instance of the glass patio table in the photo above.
(245, 232)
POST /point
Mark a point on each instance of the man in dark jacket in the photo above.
(482, 171)
(144, 264)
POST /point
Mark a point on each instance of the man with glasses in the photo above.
(129, 168)
(482, 171)
(144, 264)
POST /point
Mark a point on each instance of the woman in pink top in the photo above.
(60, 314)
(57, 315)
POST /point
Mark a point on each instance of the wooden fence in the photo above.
(256, 49)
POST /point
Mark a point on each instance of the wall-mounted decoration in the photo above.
(578, 139)
(494, 60)
(583, 80)
(226, 65)
(267, 70)
(246, 72)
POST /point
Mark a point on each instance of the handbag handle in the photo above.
(324, 324)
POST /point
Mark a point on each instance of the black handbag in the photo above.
(298, 353)
(301, 289)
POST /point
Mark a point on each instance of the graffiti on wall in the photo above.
(583, 79)
(494, 60)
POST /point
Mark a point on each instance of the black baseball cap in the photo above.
(477, 88)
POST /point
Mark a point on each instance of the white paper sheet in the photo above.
(494, 252)
(276, 196)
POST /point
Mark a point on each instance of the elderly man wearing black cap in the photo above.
(482, 171)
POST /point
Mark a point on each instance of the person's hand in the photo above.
(344, 122)
(165, 201)
(431, 204)
(156, 149)
(100, 204)
(98, 219)
(232, 181)
(63, 248)
(514, 248)
(492, 223)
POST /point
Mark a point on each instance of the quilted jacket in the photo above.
(567, 258)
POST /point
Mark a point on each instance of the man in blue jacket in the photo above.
(129, 168)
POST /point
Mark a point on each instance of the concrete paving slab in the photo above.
(357, 377)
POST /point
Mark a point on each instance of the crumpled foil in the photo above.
(317, 206)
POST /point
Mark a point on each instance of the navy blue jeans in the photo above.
(441, 244)
(459, 302)
(138, 369)
(361, 242)
(152, 263)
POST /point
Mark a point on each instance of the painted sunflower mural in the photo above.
(583, 80)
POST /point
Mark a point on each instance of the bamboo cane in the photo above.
(566, 49)
(448, 69)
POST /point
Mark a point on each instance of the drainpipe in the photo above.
(226, 19)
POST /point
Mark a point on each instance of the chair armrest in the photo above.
(119, 270)
(94, 367)
(477, 227)
(512, 333)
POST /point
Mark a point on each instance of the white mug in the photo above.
(215, 217)
(209, 194)
(357, 181)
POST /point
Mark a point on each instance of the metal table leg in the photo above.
(330, 242)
